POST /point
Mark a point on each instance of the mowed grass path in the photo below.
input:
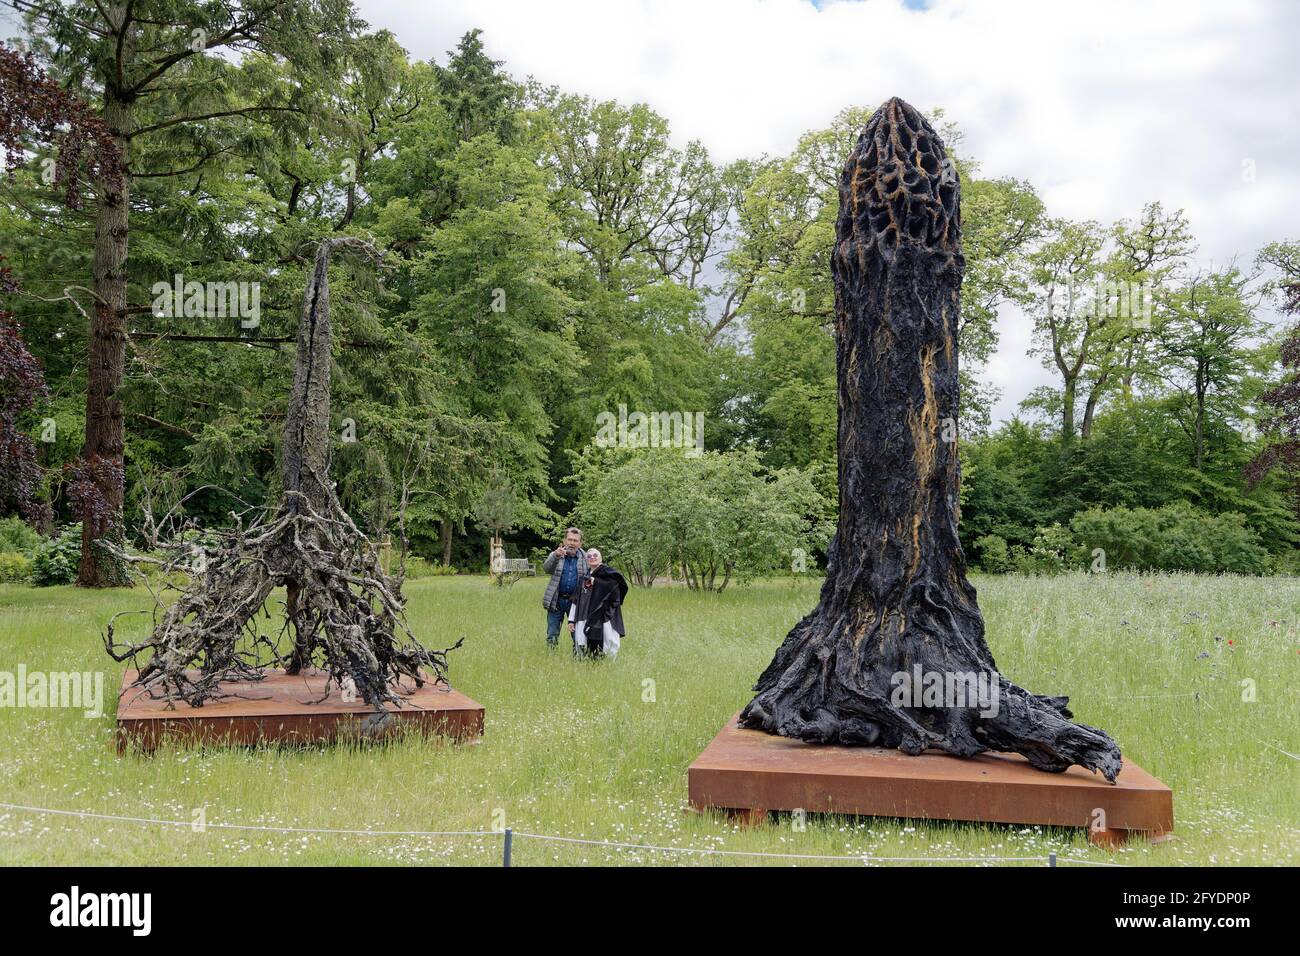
(600, 751)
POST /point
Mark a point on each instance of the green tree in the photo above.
(1279, 455)
(1145, 257)
(715, 516)
(1203, 353)
(490, 291)
(1068, 320)
(168, 88)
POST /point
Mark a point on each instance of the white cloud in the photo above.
(1102, 105)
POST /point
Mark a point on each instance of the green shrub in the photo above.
(17, 535)
(720, 516)
(1287, 563)
(15, 568)
(418, 567)
(1052, 551)
(55, 560)
(1175, 537)
(993, 555)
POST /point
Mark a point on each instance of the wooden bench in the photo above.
(517, 566)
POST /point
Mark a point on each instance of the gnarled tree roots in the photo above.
(914, 694)
(343, 614)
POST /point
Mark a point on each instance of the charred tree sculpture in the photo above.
(343, 613)
(896, 600)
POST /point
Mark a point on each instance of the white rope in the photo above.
(200, 826)
(859, 858)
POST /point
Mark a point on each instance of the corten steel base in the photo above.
(748, 773)
(284, 709)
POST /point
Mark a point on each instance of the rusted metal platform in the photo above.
(284, 709)
(749, 772)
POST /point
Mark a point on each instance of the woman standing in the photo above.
(596, 618)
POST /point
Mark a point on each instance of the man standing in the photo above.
(566, 567)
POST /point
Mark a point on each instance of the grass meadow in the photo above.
(600, 751)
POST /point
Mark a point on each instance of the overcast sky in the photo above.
(1103, 106)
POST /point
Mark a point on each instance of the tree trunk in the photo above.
(305, 455)
(1067, 411)
(105, 362)
(1090, 409)
(896, 604)
(306, 452)
(444, 533)
(1199, 456)
(300, 658)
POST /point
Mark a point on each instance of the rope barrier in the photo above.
(508, 834)
(192, 825)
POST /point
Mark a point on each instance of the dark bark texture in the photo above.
(343, 613)
(101, 540)
(896, 597)
(305, 454)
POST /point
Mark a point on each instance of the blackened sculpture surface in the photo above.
(896, 600)
(343, 612)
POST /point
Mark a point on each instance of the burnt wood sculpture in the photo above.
(343, 614)
(896, 600)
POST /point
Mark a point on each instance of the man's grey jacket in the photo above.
(554, 566)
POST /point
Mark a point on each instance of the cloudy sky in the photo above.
(1103, 106)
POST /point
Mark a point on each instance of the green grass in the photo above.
(577, 750)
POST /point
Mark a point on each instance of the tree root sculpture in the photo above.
(894, 654)
(344, 614)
